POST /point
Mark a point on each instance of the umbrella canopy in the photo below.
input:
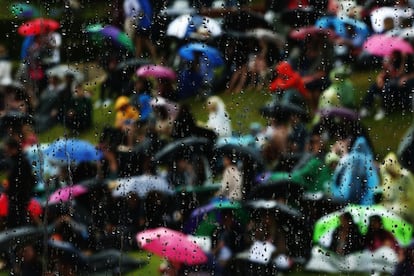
(284, 188)
(141, 185)
(156, 71)
(38, 26)
(117, 36)
(209, 54)
(245, 153)
(280, 208)
(63, 70)
(73, 151)
(339, 112)
(186, 26)
(23, 10)
(21, 236)
(184, 148)
(309, 31)
(67, 193)
(204, 219)
(267, 35)
(172, 245)
(406, 150)
(326, 225)
(383, 45)
(242, 20)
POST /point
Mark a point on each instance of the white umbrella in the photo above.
(267, 35)
(186, 25)
(64, 69)
(141, 185)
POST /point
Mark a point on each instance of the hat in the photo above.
(121, 101)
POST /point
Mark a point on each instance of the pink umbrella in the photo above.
(172, 245)
(156, 71)
(67, 193)
(383, 45)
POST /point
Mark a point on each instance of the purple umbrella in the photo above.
(340, 112)
(118, 37)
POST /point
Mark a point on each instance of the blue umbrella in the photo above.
(73, 151)
(209, 54)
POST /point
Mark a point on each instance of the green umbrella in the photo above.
(22, 10)
(402, 230)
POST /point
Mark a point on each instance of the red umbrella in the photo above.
(156, 71)
(383, 45)
(38, 26)
(172, 245)
(309, 31)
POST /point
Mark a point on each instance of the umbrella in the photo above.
(273, 204)
(67, 193)
(38, 26)
(141, 185)
(299, 17)
(243, 20)
(339, 112)
(326, 225)
(267, 35)
(309, 31)
(73, 150)
(172, 245)
(383, 45)
(118, 37)
(205, 219)
(23, 10)
(63, 70)
(132, 64)
(406, 149)
(211, 55)
(185, 26)
(284, 188)
(156, 71)
(22, 235)
(183, 148)
(246, 153)
(177, 8)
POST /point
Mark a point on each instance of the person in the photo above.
(389, 87)
(355, 178)
(79, 110)
(377, 237)
(347, 237)
(405, 266)
(20, 183)
(125, 112)
(232, 181)
(5, 67)
(190, 79)
(138, 25)
(218, 119)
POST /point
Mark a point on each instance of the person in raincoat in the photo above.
(341, 91)
(218, 119)
(287, 79)
(125, 112)
(355, 179)
(397, 186)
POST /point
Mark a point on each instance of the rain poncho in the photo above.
(340, 93)
(287, 78)
(397, 187)
(355, 178)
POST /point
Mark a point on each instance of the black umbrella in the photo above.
(243, 20)
(132, 64)
(280, 208)
(300, 17)
(107, 260)
(250, 155)
(21, 236)
(285, 189)
(184, 148)
(405, 151)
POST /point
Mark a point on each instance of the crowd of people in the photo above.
(157, 166)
